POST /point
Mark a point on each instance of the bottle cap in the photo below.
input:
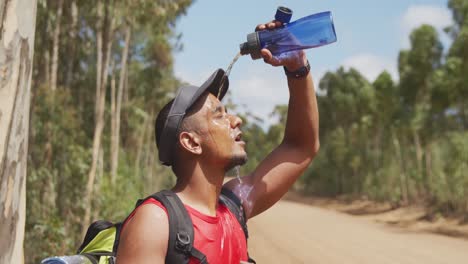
(252, 46)
(283, 14)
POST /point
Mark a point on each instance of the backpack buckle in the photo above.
(183, 242)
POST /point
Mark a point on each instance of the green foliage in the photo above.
(58, 164)
(450, 178)
(62, 121)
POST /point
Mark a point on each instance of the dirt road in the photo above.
(297, 233)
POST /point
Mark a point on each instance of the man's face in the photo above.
(220, 132)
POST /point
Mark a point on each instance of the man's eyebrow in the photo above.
(218, 108)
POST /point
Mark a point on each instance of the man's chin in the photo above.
(237, 160)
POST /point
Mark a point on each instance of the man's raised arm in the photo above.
(281, 168)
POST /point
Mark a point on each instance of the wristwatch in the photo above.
(299, 73)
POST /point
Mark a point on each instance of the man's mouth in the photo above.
(238, 138)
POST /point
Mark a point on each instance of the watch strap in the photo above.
(299, 73)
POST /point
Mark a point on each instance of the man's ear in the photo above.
(190, 142)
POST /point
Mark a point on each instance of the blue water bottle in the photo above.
(308, 32)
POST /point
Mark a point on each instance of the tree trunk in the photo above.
(99, 127)
(113, 122)
(419, 152)
(47, 67)
(55, 47)
(141, 140)
(124, 115)
(73, 44)
(17, 25)
(148, 178)
(149, 164)
(118, 105)
(404, 188)
(99, 178)
(99, 55)
(46, 64)
(428, 163)
(463, 115)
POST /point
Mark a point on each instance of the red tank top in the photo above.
(219, 237)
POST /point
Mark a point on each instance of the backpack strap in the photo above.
(181, 235)
(234, 204)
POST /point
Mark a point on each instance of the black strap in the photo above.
(199, 255)
(234, 205)
(181, 235)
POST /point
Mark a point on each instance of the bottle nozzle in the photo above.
(244, 48)
(251, 46)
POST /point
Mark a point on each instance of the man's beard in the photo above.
(237, 160)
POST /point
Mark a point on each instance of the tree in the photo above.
(117, 102)
(55, 46)
(417, 67)
(458, 59)
(346, 117)
(104, 47)
(17, 23)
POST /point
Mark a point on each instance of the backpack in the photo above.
(102, 237)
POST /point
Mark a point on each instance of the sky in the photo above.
(370, 35)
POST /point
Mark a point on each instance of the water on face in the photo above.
(228, 71)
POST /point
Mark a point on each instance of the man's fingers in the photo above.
(266, 55)
(271, 25)
(269, 58)
(275, 61)
(260, 27)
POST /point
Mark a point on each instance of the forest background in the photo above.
(103, 69)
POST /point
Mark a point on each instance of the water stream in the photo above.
(228, 71)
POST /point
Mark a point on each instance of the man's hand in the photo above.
(292, 60)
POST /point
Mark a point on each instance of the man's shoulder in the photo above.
(151, 214)
(153, 209)
(145, 235)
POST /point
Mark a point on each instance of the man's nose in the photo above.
(235, 121)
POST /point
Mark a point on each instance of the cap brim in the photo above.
(217, 84)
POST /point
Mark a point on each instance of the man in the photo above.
(204, 141)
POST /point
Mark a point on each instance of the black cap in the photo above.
(185, 98)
